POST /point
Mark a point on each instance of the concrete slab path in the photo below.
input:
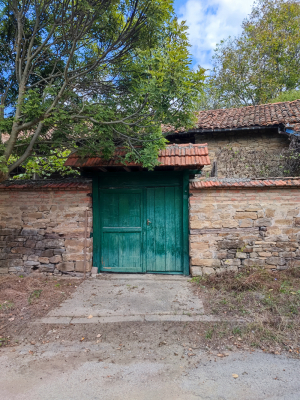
(125, 297)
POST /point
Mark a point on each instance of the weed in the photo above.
(3, 341)
(34, 295)
(237, 330)
(209, 333)
(7, 305)
(57, 285)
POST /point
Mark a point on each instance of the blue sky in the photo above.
(209, 22)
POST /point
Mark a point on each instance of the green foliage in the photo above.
(263, 62)
(288, 95)
(46, 166)
(109, 74)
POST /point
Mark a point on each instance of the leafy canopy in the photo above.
(92, 75)
(263, 62)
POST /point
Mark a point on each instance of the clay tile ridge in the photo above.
(47, 185)
(245, 183)
(185, 155)
(286, 113)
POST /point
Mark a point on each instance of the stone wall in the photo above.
(234, 228)
(266, 142)
(43, 229)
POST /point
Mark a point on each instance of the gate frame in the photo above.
(136, 180)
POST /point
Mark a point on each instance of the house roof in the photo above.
(265, 115)
(175, 155)
(236, 183)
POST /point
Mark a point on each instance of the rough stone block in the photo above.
(241, 255)
(3, 270)
(275, 261)
(21, 250)
(207, 271)
(265, 254)
(44, 260)
(35, 215)
(222, 254)
(297, 221)
(230, 223)
(59, 251)
(199, 246)
(270, 213)
(206, 262)
(47, 253)
(47, 268)
(200, 224)
(55, 259)
(230, 244)
(65, 266)
(79, 266)
(245, 214)
(53, 243)
(253, 262)
(263, 222)
(33, 258)
(235, 262)
(31, 263)
(196, 271)
(246, 223)
(29, 232)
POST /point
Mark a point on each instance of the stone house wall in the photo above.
(232, 228)
(42, 228)
(268, 142)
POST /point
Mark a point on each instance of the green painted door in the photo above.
(142, 228)
(121, 230)
(163, 247)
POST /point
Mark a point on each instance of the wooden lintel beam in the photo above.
(127, 169)
(103, 169)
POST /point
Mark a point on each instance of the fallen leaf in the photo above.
(11, 319)
(90, 316)
(82, 339)
(99, 335)
(293, 292)
(235, 376)
(220, 355)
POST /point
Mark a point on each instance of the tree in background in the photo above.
(92, 76)
(263, 63)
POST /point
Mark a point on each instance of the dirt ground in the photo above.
(266, 325)
(142, 360)
(23, 299)
(269, 302)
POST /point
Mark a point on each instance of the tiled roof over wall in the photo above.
(44, 184)
(181, 155)
(286, 113)
(232, 183)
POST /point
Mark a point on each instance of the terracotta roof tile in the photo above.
(286, 113)
(42, 184)
(244, 182)
(181, 155)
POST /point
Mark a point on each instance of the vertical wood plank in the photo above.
(160, 232)
(178, 229)
(185, 220)
(170, 233)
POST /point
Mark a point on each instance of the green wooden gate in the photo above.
(141, 222)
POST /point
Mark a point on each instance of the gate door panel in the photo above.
(121, 230)
(164, 230)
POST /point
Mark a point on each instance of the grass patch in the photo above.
(6, 305)
(270, 302)
(34, 296)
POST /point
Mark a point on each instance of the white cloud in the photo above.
(210, 22)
